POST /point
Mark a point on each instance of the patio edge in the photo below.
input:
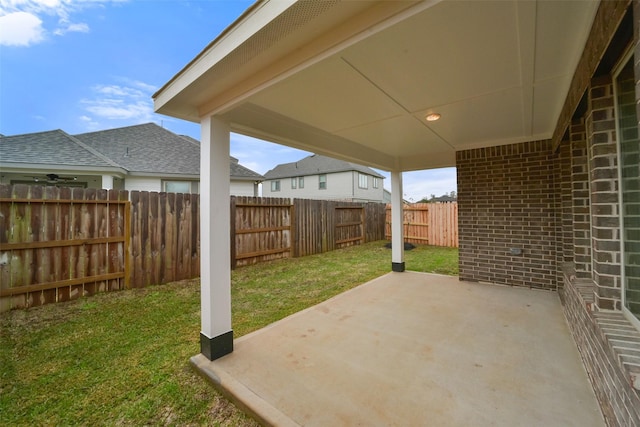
(239, 394)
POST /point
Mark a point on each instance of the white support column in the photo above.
(397, 219)
(107, 182)
(216, 338)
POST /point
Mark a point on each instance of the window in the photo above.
(294, 182)
(376, 182)
(301, 182)
(322, 182)
(181, 187)
(275, 185)
(363, 180)
(629, 165)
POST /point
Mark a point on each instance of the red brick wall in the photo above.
(507, 199)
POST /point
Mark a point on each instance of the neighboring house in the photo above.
(144, 157)
(443, 199)
(386, 196)
(324, 178)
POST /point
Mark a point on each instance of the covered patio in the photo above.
(413, 349)
(534, 103)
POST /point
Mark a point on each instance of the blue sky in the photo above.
(85, 65)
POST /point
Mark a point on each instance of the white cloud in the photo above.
(20, 29)
(26, 22)
(89, 123)
(142, 86)
(118, 91)
(118, 104)
(119, 110)
(72, 28)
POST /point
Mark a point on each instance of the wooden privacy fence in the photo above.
(165, 238)
(261, 229)
(57, 244)
(271, 228)
(433, 224)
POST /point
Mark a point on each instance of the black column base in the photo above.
(216, 347)
(398, 267)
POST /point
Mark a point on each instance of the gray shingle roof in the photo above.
(316, 164)
(146, 148)
(142, 149)
(54, 147)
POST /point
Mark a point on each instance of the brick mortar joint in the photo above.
(571, 283)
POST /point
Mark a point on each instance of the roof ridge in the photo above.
(189, 139)
(93, 151)
(120, 128)
(319, 164)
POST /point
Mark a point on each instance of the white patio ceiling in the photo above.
(355, 79)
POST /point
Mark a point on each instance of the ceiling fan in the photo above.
(52, 178)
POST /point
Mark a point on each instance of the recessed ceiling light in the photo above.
(432, 117)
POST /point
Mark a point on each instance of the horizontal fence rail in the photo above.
(58, 244)
(261, 229)
(433, 224)
(165, 238)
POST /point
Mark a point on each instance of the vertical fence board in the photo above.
(155, 232)
(170, 238)
(65, 252)
(35, 229)
(56, 224)
(232, 227)
(136, 257)
(195, 237)
(5, 257)
(163, 244)
(145, 246)
(91, 261)
(102, 255)
(183, 235)
(428, 223)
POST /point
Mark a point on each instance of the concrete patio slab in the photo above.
(411, 349)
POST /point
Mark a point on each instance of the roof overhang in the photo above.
(355, 80)
(43, 168)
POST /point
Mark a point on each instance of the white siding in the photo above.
(368, 193)
(142, 184)
(340, 186)
(243, 188)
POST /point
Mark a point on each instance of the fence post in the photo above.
(232, 231)
(292, 228)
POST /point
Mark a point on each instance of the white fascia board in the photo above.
(165, 175)
(257, 17)
(246, 179)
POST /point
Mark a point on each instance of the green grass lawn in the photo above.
(123, 357)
